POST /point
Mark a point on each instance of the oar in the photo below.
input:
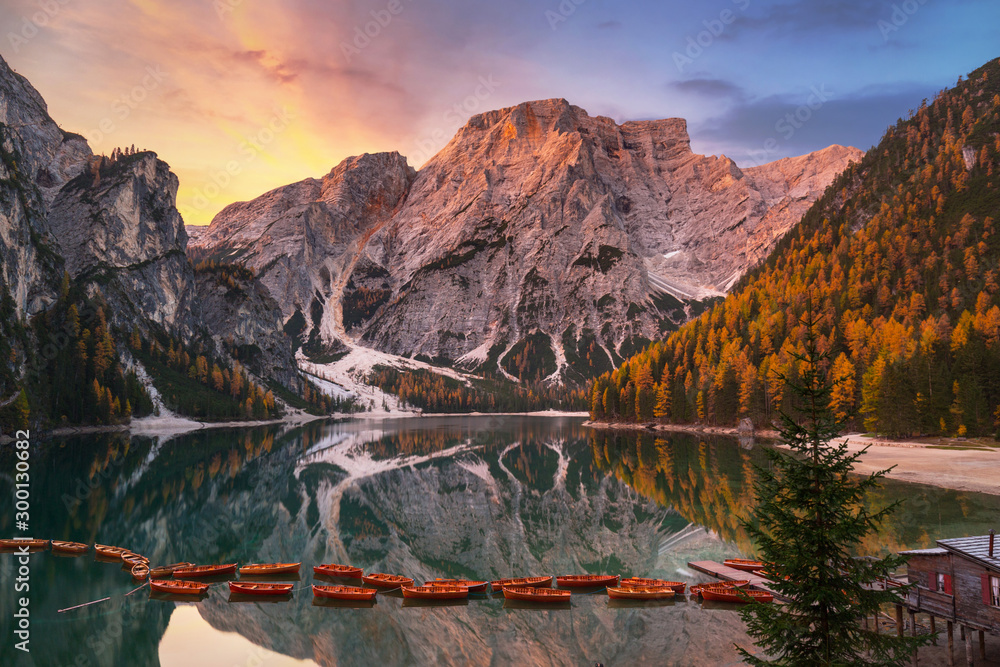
(146, 583)
(85, 604)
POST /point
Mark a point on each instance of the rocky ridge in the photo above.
(540, 242)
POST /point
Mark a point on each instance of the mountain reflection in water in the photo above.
(475, 497)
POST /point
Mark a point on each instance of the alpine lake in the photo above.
(476, 497)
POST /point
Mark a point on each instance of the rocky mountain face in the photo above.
(112, 225)
(540, 243)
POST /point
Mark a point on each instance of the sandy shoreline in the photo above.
(952, 466)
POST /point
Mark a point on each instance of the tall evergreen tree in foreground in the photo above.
(809, 521)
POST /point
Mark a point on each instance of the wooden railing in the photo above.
(937, 603)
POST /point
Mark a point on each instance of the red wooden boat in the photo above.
(164, 571)
(386, 580)
(69, 547)
(744, 564)
(530, 582)
(677, 586)
(344, 592)
(21, 544)
(342, 571)
(436, 592)
(473, 586)
(734, 595)
(696, 589)
(178, 587)
(587, 580)
(529, 594)
(109, 552)
(140, 572)
(270, 568)
(247, 588)
(204, 571)
(133, 560)
(640, 593)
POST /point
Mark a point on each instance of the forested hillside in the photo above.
(899, 260)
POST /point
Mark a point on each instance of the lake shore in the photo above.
(172, 425)
(947, 463)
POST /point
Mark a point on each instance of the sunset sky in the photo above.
(241, 96)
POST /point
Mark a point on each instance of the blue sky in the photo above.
(302, 82)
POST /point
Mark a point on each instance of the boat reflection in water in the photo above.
(478, 498)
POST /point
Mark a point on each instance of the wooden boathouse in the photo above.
(958, 581)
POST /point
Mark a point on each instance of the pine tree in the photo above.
(809, 520)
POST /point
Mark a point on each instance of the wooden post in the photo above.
(899, 620)
(982, 645)
(951, 644)
(933, 630)
(968, 647)
(913, 633)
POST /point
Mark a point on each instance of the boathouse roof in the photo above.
(935, 551)
(977, 548)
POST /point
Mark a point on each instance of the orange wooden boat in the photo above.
(677, 586)
(140, 572)
(247, 588)
(164, 571)
(204, 571)
(133, 560)
(342, 571)
(473, 586)
(530, 582)
(270, 568)
(436, 592)
(696, 589)
(178, 587)
(21, 544)
(587, 580)
(530, 594)
(640, 593)
(744, 564)
(344, 592)
(69, 547)
(386, 580)
(109, 552)
(734, 595)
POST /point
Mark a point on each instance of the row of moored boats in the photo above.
(188, 579)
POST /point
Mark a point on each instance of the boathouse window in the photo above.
(995, 591)
(939, 581)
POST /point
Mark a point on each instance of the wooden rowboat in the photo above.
(204, 571)
(342, 571)
(677, 586)
(344, 592)
(140, 572)
(722, 585)
(744, 564)
(164, 571)
(530, 594)
(735, 595)
(22, 544)
(530, 582)
(69, 547)
(247, 588)
(178, 587)
(436, 592)
(133, 560)
(109, 552)
(270, 568)
(640, 593)
(587, 580)
(386, 580)
(473, 586)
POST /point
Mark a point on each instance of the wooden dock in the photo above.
(725, 573)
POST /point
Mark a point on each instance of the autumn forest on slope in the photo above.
(900, 262)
